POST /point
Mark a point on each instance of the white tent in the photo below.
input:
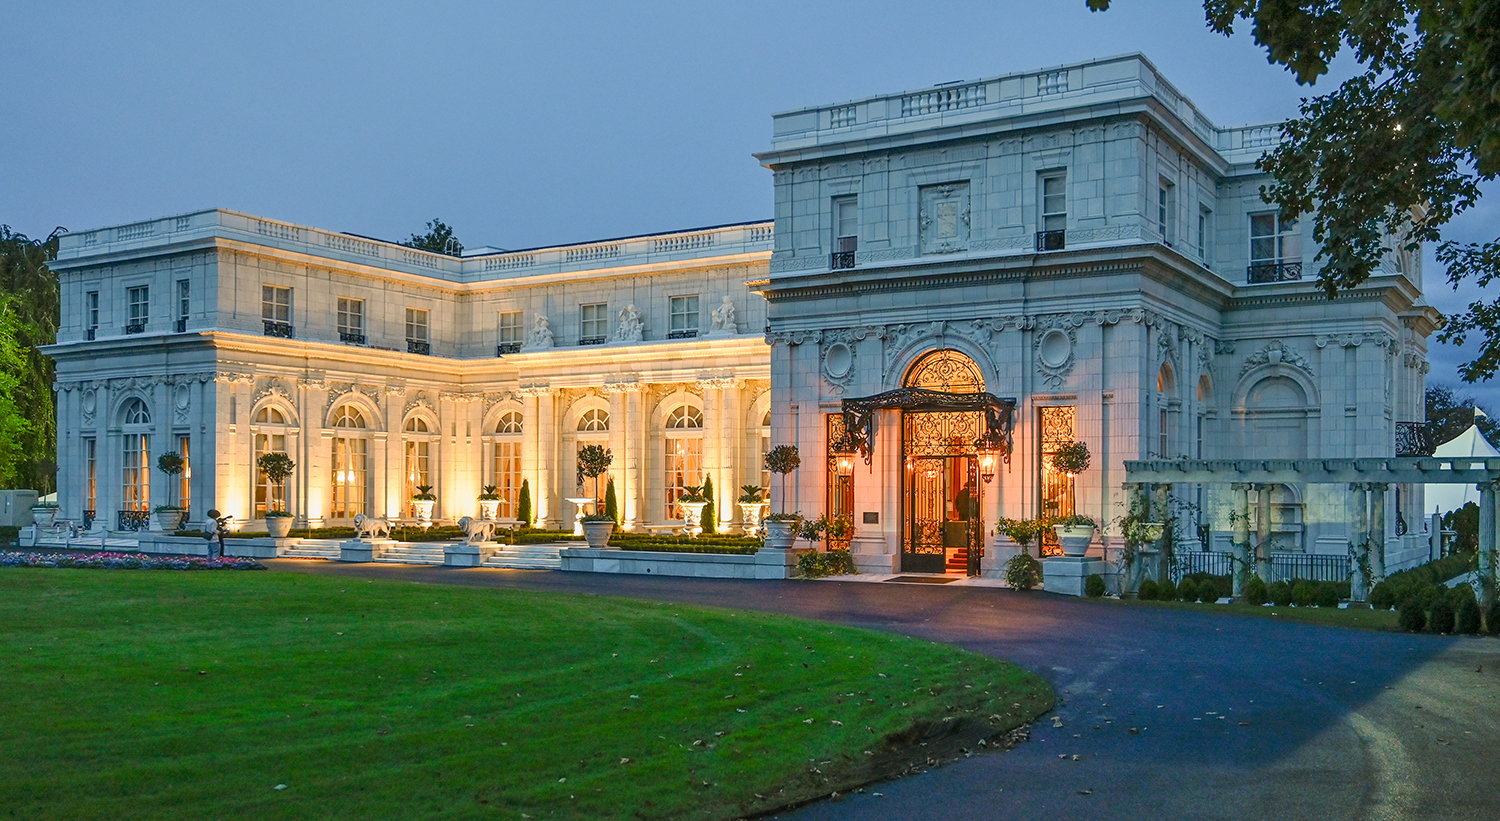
(1452, 497)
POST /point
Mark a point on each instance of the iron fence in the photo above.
(1284, 566)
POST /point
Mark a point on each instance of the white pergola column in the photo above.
(1377, 531)
(531, 450)
(712, 421)
(1487, 539)
(635, 464)
(1359, 540)
(617, 428)
(1263, 532)
(1241, 546)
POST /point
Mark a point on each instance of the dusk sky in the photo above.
(528, 124)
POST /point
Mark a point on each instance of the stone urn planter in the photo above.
(779, 534)
(423, 508)
(750, 513)
(1153, 531)
(167, 521)
(597, 534)
(488, 508)
(1075, 539)
(279, 526)
(44, 516)
(692, 515)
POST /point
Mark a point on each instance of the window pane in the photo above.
(684, 460)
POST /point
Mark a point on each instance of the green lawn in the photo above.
(162, 694)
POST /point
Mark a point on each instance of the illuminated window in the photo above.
(418, 448)
(136, 443)
(268, 432)
(506, 463)
(350, 463)
(684, 455)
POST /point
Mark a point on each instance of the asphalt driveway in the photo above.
(1161, 714)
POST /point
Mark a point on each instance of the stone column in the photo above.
(1241, 547)
(1487, 539)
(1263, 532)
(548, 499)
(531, 453)
(635, 464)
(617, 428)
(1161, 494)
(712, 421)
(1359, 541)
(729, 443)
(1377, 531)
(1137, 553)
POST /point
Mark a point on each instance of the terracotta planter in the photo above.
(488, 508)
(1075, 540)
(597, 534)
(279, 526)
(779, 535)
(692, 513)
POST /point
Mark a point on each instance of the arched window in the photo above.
(350, 463)
(506, 462)
(269, 433)
(765, 447)
(683, 461)
(594, 419)
(136, 443)
(593, 429)
(945, 370)
(1166, 385)
(417, 436)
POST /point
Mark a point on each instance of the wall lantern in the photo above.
(989, 458)
(844, 464)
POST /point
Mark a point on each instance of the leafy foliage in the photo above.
(1093, 586)
(277, 466)
(710, 519)
(1072, 458)
(783, 459)
(1023, 572)
(439, 239)
(489, 493)
(816, 565)
(611, 502)
(752, 494)
(523, 504)
(28, 319)
(1449, 414)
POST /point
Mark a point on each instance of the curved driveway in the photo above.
(1161, 713)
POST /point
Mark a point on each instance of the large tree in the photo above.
(438, 239)
(1399, 150)
(1450, 413)
(29, 314)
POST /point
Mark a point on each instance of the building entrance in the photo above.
(942, 530)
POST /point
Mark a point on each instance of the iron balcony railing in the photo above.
(134, 520)
(351, 338)
(419, 347)
(281, 330)
(507, 347)
(1284, 566)
(591, 340)
(1414, 439)
(839, 260)
(135, 328)
(1262, 272)
(1051, 240)
(686, 333)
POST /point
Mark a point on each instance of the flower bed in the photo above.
(125, 561)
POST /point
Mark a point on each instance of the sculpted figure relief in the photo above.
(723, 318)
(541, 333)
(629, 327)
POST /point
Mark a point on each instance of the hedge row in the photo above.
(1396, 588)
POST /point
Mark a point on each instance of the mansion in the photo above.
(1079, 246)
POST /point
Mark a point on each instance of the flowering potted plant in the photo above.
(1022, 531)
(692, 502)
(422, 502)
(277, 466)
(489, 501)
(752, 506)
(597, 528)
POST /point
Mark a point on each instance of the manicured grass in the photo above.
(162, 695)
(1354, 616)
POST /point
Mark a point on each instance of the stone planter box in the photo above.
(359, 550)
(466, 554)
(765, 564)
(1068, 574)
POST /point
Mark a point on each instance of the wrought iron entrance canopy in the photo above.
(999, 414)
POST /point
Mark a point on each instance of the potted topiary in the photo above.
(597, 528)
(169, 516)
(692, 501)
(812, 529)
(489, 501)
(277, 466)
(781, 527)
(752, 504)
(423, 501)
(1021, 531)
(1072, 458)
(1074, 533)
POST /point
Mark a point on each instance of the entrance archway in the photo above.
(942, 528)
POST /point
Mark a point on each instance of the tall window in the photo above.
(845, 232)
(683, 315)
(511, 329)
(91, 315)
(1166, 203)
(139, 301)
(418, 339)
(182, 307)
(268, 431)
(507, 462)
(1205, 227)
(593, 323)
(185, 479)
(765, 447)
(1056, 429)
(1052, 220)
(276, 310)
(1165, 387)
(350, 457)
(684, 454)
(418, 457)
(593, 429)
(1273, 241)
(351, 317)
(136, 482)
(91, 475)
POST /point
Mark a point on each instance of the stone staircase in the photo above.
(530, 556)
(308, 549)
(413, 553)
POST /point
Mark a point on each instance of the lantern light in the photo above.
(845, 464)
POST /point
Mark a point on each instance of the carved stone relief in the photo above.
(1274, 353)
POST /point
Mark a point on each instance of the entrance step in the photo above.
(409, 553)
(958, 562)
(529, 557)
(312, 550)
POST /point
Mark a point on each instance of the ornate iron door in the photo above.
(976, 518)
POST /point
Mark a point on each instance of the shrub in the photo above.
(1256, 592)
(1304, 594)
(523, 504)
(710, 520)
(1167, 590)
(1492, 617)
(815, 565)
(1413, 617)
(1148, 590)
(1281, 593)
(611, 502)
(1395, 588)
(1467, 620)
(1329, 594)
(1093, 587)
(1208, 591)
(1440, 617)
(1023, 572)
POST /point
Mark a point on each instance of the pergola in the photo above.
(1368, 479)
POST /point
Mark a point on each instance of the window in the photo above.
(1275, 253)
(593, 429)
(765, 447)
(511, 332)
(1053, 218)
(276, 311)
(351, 316)
(593, 420)
(845, 232)
(185, 479)
(1166, 201)
(182, 308)
(136, 445)
(1056, 488)
(1205, 230)
(683, 317)
(1166, 386)
(269, 433)
(350, 451)
(91, 315)
(418, 458)
(684, 454)
(417, 338)
(139, 300)
(506, 474)
(593, 323)
(91, 475)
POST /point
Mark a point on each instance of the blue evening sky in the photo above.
(525, 124)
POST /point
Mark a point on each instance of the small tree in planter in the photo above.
(170, 515)
(752, 506)
(781, 527)
(611, 502)
(1074, 532)
(691, 501)
(593, 461)
(424, 500)
(1022, 531)
(489, 501)
(277, 467)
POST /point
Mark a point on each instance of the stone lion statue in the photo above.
(372, 526)
(478, 530)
